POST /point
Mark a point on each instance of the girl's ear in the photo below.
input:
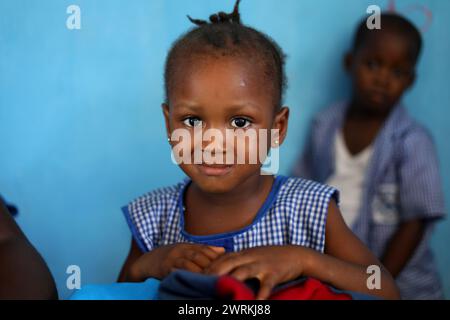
(166, 112)
(281, 123)
(348, 62)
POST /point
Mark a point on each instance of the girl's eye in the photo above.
(240, 123)
(193, 122)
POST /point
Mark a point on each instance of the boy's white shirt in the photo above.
(349, 177)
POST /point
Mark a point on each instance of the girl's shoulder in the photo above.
(161, 196)
(291, 190)
(157, 202)
(306, 191)
(303, 206)
(152, 213)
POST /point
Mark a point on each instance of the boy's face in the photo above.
(224, 94)
(382, 70)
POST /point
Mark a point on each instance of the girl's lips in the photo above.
(215, 169)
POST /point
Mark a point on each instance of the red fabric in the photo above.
(229, 288)
(310, 289)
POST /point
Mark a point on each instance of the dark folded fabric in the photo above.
(184, 285)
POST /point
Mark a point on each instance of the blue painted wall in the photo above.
(80, 122)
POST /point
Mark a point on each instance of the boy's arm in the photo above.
(23, 272)
(421, 198)
(402, 246)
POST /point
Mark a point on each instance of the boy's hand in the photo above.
(163, 260)
(272, 265)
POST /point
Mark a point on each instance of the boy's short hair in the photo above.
(395, 23)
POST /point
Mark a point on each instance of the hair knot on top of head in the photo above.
(221, 17)
(226, 37)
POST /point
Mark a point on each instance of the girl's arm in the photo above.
(133, 255)
(159, 262)
(344, 264)
(346, 259)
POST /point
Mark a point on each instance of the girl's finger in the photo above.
(213, 252)
(219, 250)
(266, 288)
(227, 263)
(187, 265)
(218, 263)
(245, 272)
(199, 258)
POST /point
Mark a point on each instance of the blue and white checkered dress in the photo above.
(295, 213)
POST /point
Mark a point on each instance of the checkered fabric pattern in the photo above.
(294, 213)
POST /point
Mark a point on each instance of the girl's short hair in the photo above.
(226, 35)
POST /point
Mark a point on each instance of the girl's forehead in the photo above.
(221, 78)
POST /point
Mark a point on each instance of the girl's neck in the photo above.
(257, 186)
(208, 214)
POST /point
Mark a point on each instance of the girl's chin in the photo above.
(219, 178)
(214, 185)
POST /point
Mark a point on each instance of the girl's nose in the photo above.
(213, 138)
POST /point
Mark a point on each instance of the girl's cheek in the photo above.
(252, 148)
(182, 146)
(248, 147)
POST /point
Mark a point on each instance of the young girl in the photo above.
(229, 218)
(384, 162)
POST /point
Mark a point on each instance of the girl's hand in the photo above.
(272, 265)
(161, 261)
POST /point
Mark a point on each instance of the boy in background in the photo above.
(383, 162)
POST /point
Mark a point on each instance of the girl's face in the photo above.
(223, 96)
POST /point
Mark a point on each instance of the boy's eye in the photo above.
(372, 64)
(193, 122)
(399, 73)
(240, 123)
